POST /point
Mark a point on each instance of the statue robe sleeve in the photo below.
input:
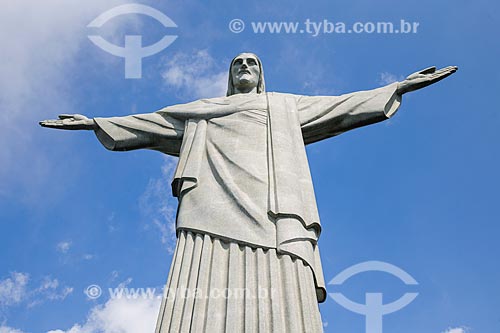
(158, 131)
(322, 117)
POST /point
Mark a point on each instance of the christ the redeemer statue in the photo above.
(247, 256)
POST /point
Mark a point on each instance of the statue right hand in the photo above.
(70, 122)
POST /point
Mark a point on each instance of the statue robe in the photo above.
(242, 174)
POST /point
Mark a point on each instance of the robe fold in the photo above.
(243, 157)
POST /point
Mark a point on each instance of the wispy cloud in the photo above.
(461, 329)
(386, 78)
(111, 223)
(13, 290)
(114, 275)
(7, 329)
(50, 290)
(38, 60)
(18, 289)
(119, 315)
(125, 283)
(196, 75)
(158, 205)
(63, 246)
(69, 256)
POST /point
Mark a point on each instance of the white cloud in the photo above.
(461, 329)
(13, 290)
(51, 290)
(119, 315)
(125, 283)
(158, 205)
(38, 59)
(63, 246)
(386, 78)
(38, 53)
(16, 289)
(7, 329)
(49, 283)
(196, 75)
(64, 293)
(114, 275)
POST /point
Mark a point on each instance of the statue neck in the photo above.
(245, 90)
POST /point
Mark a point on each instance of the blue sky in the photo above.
(419, 191)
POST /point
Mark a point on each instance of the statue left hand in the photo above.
(424, 78)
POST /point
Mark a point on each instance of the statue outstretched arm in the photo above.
(157, 131)
(322, 117)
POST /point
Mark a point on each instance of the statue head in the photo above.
(245, 75)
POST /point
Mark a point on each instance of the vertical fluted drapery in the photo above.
(218, 286)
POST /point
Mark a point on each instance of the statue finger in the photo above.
(421, 73)
(452, 69)
(448, 69)
(79, 117)
(50, 123)
(66, 116)
(444, 72)
(439, 77)
(428, 70)
(414, 76)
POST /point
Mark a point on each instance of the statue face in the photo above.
(245, 71)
